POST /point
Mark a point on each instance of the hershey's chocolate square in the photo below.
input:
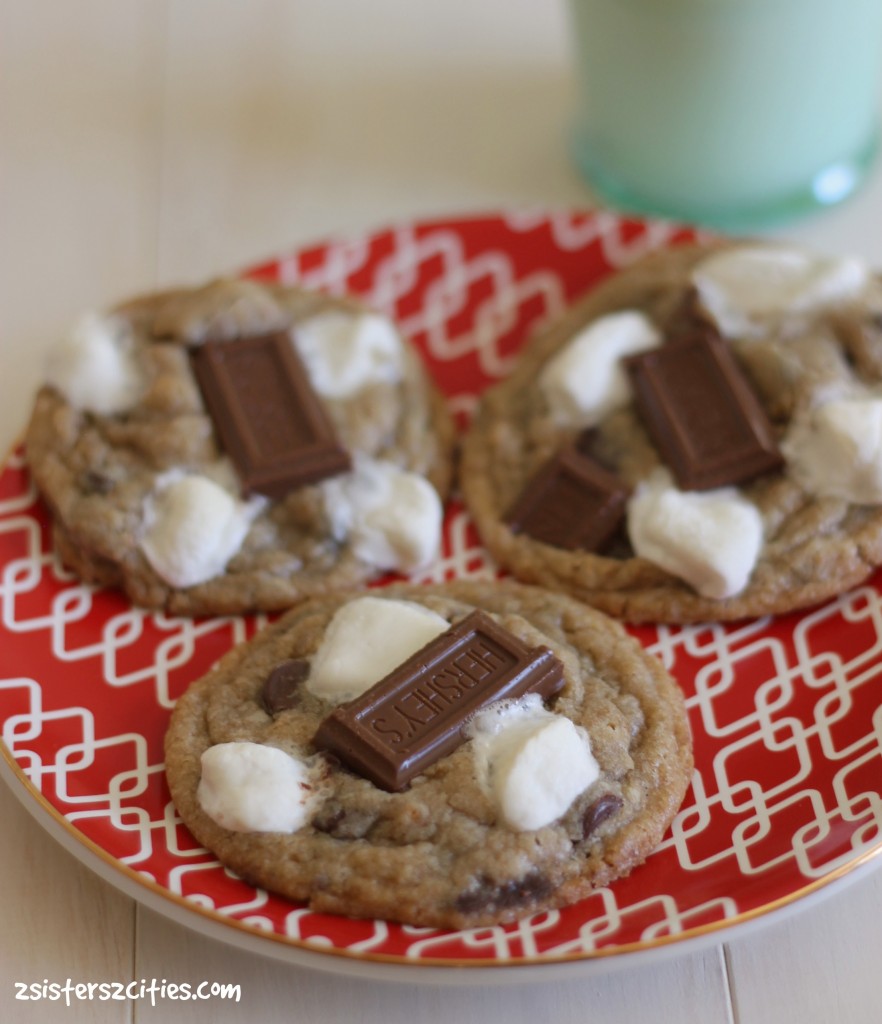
(268, 418)
(416, 715)
(572, 502)
(702, 413)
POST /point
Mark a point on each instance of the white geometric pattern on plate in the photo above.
(786, 713)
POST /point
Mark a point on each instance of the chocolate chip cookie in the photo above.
(238, 446)
(698, 438)
(547, 753)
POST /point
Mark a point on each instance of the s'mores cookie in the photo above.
(448, 756)
(699, 438)
(238, 446)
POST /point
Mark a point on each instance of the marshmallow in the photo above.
(251, 787)
(838, 453)
(585, 380)
(710, 539)
(534, 762)
(345, 353)
(365, 640)
(392, 518)
(94, 367)
(193, 527)
(747, 288)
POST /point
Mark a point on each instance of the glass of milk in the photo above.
(731, 113)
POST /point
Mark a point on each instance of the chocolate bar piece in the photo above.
(702, 413)
(268, 418)
(415, 715)
(572, 502)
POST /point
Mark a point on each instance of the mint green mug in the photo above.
(731, 113)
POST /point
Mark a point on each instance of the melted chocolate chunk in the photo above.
(93, 482)
(415, 716)
(490, 897)
(268, 418)
(334, 821)
(282, 689)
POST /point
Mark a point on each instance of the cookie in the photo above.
(519, 751)
(239, 446)
(697, 439)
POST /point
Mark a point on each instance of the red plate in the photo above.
(787, 794)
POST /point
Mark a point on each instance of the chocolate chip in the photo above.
(597, 813)
(586, 442)
(335, 821)
(282, 687)
(492, 897)
(93, 482)
(687, 317)
(328, 820)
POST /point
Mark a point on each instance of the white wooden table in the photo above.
(145, 142)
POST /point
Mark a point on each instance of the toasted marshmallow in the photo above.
(252, 787)
(193, 527)
(585, 380)
(345, 353)
(533, 762)
(94, 367)
(391, 517)
(365, 640)
(749, 288)
(710, 539)
(837, 452)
